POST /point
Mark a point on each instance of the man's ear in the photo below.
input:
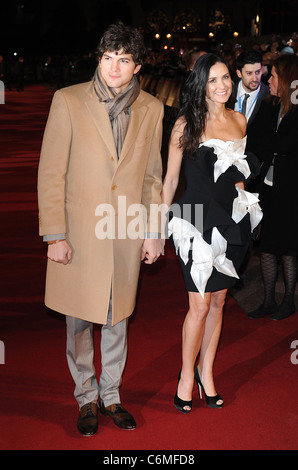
(238, 73)
(137, 69)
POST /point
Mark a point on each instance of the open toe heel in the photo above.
(211, 401)
(182, 405)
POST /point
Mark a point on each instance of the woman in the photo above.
(210, 139)
(273, 137)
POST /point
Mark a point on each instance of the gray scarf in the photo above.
(117, 105)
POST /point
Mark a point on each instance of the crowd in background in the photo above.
(59, 70)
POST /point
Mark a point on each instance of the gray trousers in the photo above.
(80, 358)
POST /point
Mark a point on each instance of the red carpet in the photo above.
(254, 372)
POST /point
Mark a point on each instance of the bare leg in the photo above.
(192, 336)
(210, 341)
(200, 333)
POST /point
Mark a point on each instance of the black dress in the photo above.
(212, 224)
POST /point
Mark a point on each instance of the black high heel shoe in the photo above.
(181, 404)
(212, 401)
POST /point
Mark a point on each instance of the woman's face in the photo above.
(273, 82)
(219, 84)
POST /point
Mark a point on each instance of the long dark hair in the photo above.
(286, 67)
(193, 103)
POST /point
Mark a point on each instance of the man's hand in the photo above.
(60, 252)
(151, 250)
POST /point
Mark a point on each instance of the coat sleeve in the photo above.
(152, 186)
(52, 168)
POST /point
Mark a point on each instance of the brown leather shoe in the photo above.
(119, 415)
(88, 419)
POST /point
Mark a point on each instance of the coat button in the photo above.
(114, 186)
(112, 159)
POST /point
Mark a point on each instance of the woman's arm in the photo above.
(171, 179)
(241, 119)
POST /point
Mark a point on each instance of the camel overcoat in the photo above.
(84, 190)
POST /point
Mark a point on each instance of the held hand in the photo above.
(60, 252)
(151, 250)
(240, 185)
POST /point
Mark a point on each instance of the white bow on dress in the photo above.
(247, 203)
(228, 153)
(204, 256)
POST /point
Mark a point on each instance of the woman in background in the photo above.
(273, 137)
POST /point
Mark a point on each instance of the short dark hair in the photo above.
(119, 37)
(248, 57)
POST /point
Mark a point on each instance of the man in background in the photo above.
(250, 89)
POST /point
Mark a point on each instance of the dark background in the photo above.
(50, 26)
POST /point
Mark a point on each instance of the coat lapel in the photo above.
(264, 91)
(103, 125)
(138, 112)
(101, 121)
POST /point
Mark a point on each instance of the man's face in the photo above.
(251, 75)
(117, 69)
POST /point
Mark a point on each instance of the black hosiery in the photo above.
(269, 271)
(289, 266)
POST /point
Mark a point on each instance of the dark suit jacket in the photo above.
(264, 92)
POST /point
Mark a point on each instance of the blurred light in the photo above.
(211, 34)
(157, 36)
(169, 35)
(15, 53)
(236, 34)
(257, 18)
(165, 47)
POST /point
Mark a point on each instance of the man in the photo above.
(100, 155)
(194, 55)
(250, 90)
